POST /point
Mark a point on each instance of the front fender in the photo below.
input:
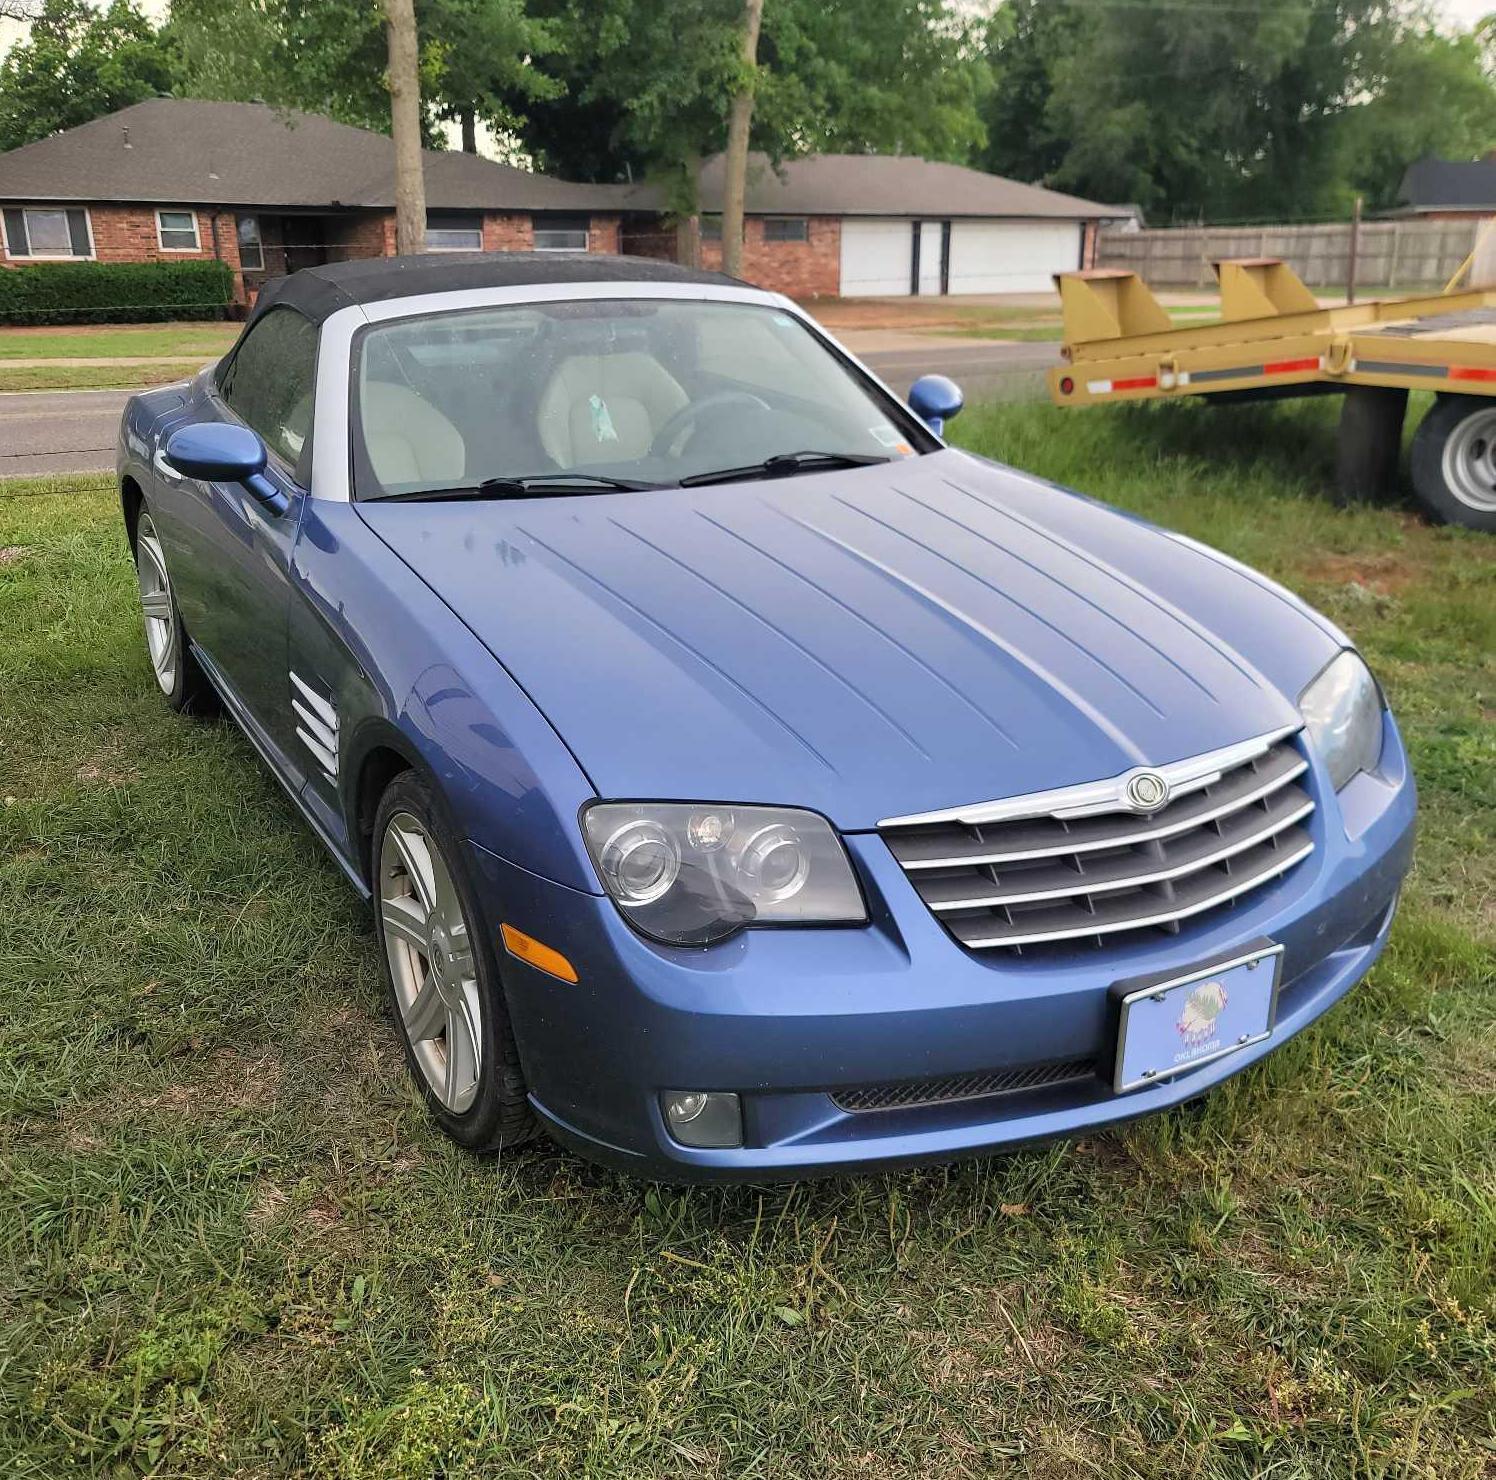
(405, 674)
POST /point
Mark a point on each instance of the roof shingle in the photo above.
(191, 151)
(1431, 184)
(889, 185)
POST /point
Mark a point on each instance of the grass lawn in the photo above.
(114, 341)
(231, 1244)
(91, 377)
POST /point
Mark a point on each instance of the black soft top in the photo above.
(320, 291)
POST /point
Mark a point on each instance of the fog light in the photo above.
(703, 1118)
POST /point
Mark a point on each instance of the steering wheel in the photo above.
(686, 418)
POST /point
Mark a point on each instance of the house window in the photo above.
(561, 233)
(177, 231)
(453, 231)
(711, 228)
(786, 229)
(251, 245)
(47, 232)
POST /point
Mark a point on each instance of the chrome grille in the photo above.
(1079, 864)
(957, 1087)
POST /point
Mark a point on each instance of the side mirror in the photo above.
(935, 399)
(219, 452)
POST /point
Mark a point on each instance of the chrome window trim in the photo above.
(1090, 798)
(332, 475)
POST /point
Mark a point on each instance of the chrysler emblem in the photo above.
(1147, 791)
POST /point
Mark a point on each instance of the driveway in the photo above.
(74, 431)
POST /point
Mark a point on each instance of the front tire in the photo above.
(178, 676)
(1454, 461)
(442, 974)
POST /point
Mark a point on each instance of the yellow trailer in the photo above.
(1274, 340)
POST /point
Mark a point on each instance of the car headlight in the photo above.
(691, 874)
(1342, 712)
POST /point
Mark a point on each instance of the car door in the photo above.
(235, 581)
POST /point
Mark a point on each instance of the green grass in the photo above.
(91, 377)
(231, 1244)
(105, 342)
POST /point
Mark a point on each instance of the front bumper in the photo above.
(786, 1018)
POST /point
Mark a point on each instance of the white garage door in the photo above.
(1011, 256)
(877, 257)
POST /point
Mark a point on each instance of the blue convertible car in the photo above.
(747, 784)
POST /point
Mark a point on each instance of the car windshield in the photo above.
(602, 395)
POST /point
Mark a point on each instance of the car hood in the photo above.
(869, 643)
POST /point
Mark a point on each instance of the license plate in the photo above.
(1169, 1025)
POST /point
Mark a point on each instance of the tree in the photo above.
(405, 115)
(649, 87)
(871, 76)
(79, 63)
(1436, 96)
(1228, 112)
(739, 120)
(476, 58)
(484, 56)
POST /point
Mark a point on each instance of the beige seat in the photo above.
(409, 440)
(606, 408)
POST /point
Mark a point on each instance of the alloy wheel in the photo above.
(430, 952)
(1470, 460)
(156, 604)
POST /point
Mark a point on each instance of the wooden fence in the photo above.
(1405, 253)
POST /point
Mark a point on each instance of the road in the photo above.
(74, 431)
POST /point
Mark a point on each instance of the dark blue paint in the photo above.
(867, 643)
(225, 453)
(936, 399)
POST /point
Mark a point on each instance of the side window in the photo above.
(270, 381)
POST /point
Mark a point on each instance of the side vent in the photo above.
(318, 727)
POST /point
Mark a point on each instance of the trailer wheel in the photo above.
(1371, 423)
(1454, 461)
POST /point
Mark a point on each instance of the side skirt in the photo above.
(246, 723)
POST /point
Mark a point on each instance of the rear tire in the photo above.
(1371, 423)
(1454, 461)
(442, 973)
(181, 681)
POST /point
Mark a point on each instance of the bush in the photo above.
(62, 293)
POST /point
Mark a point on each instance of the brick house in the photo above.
(886, 225)
(267, 192)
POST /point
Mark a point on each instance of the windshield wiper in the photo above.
(531, 483)
(783, 464)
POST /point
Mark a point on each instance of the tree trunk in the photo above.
(739, 120)
(405, 117)
(469, 132)
(688, 214)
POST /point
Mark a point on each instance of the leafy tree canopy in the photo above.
(79, 63)
(477, 57)
(1202, 110)
(647, 85)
